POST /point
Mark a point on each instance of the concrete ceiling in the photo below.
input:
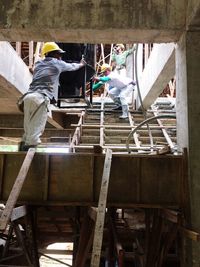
(93, 21)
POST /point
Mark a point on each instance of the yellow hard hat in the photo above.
(121, 46)
(105, 67)
(49, 47)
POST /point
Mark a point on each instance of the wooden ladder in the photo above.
(99, 226)
(16, 189)
(92, 227)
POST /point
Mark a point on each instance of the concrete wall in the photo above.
(94, 21)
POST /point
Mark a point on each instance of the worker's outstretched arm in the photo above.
(101, 81)
(96, 86)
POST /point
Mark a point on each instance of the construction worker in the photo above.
(42, 92)
(119, 88)
(119, 57)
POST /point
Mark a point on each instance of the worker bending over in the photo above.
(119, 88)
(119, 57)
(42, 92)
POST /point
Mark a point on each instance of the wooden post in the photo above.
(102, 52)
(31, 47)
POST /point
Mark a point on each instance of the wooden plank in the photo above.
(102, 52)
(120, 126)
(37, 52)
(31, 44)
(171, 215)
(85, 241)
(19, 48)
(2, 163)
(46, 178)
(101, 123)
(18, 213)
(99, 226)
(76, 136)
(191, 234)
(135, 135)
(16, 189)
(92, 213)
(166, 135)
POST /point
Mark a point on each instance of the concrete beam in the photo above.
(14, 78)
(92, 21)
(159, 70)
(14, 70)
(193, 15)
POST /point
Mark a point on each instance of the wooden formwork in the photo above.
(74, 179)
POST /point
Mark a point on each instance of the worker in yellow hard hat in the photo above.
(119, 56)
(119, 88)
(120, 46)
(42, 92)
(50, 47)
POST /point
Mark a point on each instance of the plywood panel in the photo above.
(34, 186)
(160, 180)
(123, 185)
(75, 179)
(71, 177)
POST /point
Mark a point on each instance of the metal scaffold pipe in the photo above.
(162, 116)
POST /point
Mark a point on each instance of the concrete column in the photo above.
(188, 127)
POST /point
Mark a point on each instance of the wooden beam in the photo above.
(166, 135)
(101, 124)
(191, 234)
(18, 48)
(85, 241)
(31, 48)
(77, 133)
(135, 135)
(18, 213)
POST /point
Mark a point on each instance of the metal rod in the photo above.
(141, 124)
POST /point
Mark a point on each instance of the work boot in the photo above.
(21, 146)
(124, 112)
(117, 103)
(24, 147)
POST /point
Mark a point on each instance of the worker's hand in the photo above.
(96, 78)
(82, 62)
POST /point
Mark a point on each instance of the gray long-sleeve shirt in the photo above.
(46, 76)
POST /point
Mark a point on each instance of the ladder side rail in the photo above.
(16, 189)
(99, 226)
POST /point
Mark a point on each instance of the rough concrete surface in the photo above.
(74, 19)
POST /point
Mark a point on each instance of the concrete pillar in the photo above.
(188, 128)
